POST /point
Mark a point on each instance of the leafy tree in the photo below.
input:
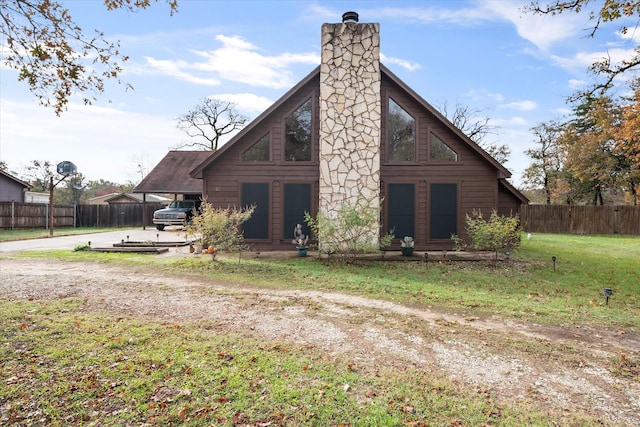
(627, 149)
(477, 127)
(498, 234)
(349, 233)
(209, 121)
(548, 159)
(589, 141)
(73, 192)
(38, 174)
(54, 56)
(609, 11)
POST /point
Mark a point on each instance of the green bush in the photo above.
(350, 233)
(498, 234)
(220, 228)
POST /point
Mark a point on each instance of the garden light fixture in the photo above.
(607, 292)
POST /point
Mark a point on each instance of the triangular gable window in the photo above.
(441, 152)
(297, 146)
(402, 139)
(258, 152)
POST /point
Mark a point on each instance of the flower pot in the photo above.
(302, 251)
(407, 251)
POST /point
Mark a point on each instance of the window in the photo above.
(444, 211)
(257, 227)
(258, 152)
(297, 146)
(441, 152)
(297, 201)
(401, 209)
(401, 134)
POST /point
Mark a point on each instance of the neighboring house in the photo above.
(126, 198)
(36, 197)
(12, 189)
(349, 128)
(171, 176)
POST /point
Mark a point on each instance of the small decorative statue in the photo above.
(299, 238)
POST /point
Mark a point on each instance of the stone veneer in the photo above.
(350, 114)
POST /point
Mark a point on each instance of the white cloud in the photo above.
(246, 102)
(237, 60)
(508, 122)
(404, 63)
(85, 135)
(522, 105)
(541, 30)
(576, 84)
(481, 94)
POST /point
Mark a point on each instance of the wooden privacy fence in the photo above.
(34, 215)
(569, 219)
(116, 215)
(15, 215)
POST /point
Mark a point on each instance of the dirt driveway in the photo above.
(485, 353)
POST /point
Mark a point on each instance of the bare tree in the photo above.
(477, 127)
(209, 121)
(52, 53)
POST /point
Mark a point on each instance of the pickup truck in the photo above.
(178, 212)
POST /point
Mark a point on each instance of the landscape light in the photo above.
(554, 258)
(607, 292)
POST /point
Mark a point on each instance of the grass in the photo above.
(526, 287)
(62, 365)
(38, 233)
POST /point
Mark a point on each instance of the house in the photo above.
(171, 176)
(350, 129)
(36, 197)
(12, 189)
(126, 198)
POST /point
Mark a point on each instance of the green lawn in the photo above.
(63, 365)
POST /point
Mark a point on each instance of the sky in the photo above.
(515, 68)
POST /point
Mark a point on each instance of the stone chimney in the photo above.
(350, 114)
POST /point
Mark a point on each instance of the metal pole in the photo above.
(51, 206)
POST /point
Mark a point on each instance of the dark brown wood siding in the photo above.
(223, 179)
(475, 177)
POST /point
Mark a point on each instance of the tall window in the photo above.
(441, 152)
(297, 201)
(257, 227)
(444, 210)
(401, 135)
(401, 209)
(297, 146)
(258, 152)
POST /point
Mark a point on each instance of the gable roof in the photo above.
(16, 180)
(315, 74)
(171, 175)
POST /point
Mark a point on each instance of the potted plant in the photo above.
(300, 240)
(406, 246)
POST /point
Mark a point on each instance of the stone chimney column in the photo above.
(350, 114)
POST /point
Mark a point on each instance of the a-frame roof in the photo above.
(315, 75)
(171, 175)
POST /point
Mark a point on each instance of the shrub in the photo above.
(498, 234)
(350, 233)
(220, 228)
